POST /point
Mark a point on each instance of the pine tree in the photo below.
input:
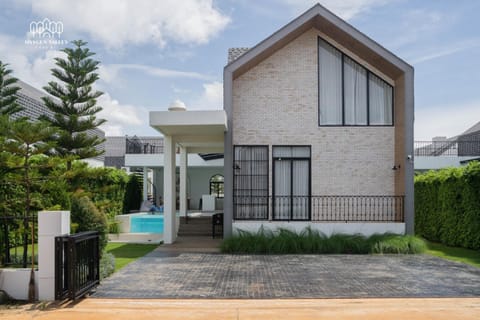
(27, 140)
(8, 90)
(76, 107)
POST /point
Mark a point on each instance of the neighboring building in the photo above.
(145, 155)
(444, 152)
(317, 130)
(30, 99)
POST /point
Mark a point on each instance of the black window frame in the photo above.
(319, 39)
(291, 182)
(216, 186)
(266, 190)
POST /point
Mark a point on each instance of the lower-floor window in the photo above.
(216, 186)
(250, 183)
(291, 182)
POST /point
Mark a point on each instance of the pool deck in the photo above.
(141, 238)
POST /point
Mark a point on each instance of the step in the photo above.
(189, 234)
(196, 220)
(189, 228)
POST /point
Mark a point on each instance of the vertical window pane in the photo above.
(282, 185)
(355, 91)
(301, 189)
(250, 182)
(330, 84)
(381, 100)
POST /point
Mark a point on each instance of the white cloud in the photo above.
(452, 48)
(120, 115)
(446, 121)
(125, 22)
(33, 67)
(109, 72)
(419, 26)
(29, 64)
(211, 97)
(346, 9)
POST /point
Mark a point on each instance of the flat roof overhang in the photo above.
(198, 131)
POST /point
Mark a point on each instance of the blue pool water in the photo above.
(146, 223)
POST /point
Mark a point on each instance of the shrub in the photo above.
(133, 194)
(107, 265)
(398, 244)
(284, 241)
(447, 206)
(55, 195)
(89, 218)
(104, 186)
(113, 226)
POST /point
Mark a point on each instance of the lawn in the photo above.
(128, 252)
(471, 257)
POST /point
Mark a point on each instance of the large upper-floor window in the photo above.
(349, 94)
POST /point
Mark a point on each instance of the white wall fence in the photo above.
(15, 281)
(327, 228)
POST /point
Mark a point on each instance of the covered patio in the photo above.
(184, 132)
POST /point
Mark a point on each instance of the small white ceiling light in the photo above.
(177, 105)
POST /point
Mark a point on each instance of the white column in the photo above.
(169, 192)
(183, 181)
(50, 225)
(145, 183)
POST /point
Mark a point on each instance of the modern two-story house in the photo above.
(317, 130)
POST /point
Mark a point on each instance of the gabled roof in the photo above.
(322, 19)
(472, 129)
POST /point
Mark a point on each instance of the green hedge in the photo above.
(104, 186)
(447, 206)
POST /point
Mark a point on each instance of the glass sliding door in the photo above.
(291, 183)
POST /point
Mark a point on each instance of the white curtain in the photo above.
(355, 91)
(330, 84)
(300, 190)
(282, 189)
(381, 99)
(291, 152)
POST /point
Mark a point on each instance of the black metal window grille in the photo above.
(250, 183)
(291, 183)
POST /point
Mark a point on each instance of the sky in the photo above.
(154, 52)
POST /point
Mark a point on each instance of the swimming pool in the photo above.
(146, 223)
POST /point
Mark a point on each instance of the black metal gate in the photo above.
(77, 264)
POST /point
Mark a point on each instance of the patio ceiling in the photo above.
(198, 131)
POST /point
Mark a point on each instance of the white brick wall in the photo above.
(276, 102)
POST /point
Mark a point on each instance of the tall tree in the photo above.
(27, 140)
(76, 107)
(8, 90)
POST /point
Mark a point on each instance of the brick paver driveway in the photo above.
(199, 275)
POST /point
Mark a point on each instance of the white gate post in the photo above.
(50, 225)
